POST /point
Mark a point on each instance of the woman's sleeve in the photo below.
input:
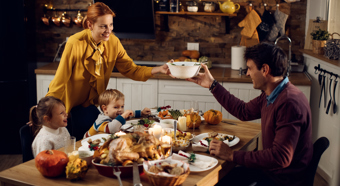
(63, 74)
(128, 68)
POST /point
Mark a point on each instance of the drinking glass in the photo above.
(166, 145)
(194, 105)
(70, 144)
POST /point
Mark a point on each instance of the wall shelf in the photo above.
(196, 13)
(63, 10)
(165, 17)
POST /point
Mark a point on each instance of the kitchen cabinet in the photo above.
(43, 81)
(179, 95)
(138, 94)
(246, 92)
(243, 91)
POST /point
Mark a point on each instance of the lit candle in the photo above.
(157, 131)
(166, 140)
(182, 123)
(120, 133)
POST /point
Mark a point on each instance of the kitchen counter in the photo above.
(321, 57)
(219, 73)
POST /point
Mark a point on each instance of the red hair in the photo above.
(96, 10)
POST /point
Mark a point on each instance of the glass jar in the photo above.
(192, 6)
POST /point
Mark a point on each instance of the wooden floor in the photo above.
(8, 161)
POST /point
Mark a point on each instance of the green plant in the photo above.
(320, 35)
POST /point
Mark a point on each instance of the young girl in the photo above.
(49, 119)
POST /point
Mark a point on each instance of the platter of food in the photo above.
(124, 150)
(107, 170)
(230, 140)
(101, 138)
(180, 135)
(141, 124)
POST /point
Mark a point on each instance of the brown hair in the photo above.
(96, 10)
(268, 53)
(109, 95)
(43, 108)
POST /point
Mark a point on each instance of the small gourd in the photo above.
(76, 169)
(213, 116)
(191, 118)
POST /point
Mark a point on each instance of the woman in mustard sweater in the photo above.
(86, 65)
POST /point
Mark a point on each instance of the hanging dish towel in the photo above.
(266, 25)
(279, 26)
(249, 35)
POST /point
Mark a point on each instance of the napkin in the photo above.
(202, 162)
(201, 146)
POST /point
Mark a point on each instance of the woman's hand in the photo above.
(161, 69)
(204, 79)
(220, 149)
(146, 111)
(127, 113)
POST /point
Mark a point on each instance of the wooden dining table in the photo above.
(248, 132)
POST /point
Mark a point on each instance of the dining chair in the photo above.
(26, 138)
(319, 147)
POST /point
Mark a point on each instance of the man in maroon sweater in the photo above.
(285, 122)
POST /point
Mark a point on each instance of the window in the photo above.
(333, 15)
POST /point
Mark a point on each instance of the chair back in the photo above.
(319, 147)
(26, 138)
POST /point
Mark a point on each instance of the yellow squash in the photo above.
(76, 169)
(192, 118)
(213, 116)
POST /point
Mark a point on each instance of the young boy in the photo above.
(111, 102)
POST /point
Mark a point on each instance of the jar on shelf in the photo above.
(209, 6)
(192, 6)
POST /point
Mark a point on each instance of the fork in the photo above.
(117, 174)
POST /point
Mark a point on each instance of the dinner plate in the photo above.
(129, 124)
(199, 137)
(94, 137)
(134, 122)
(197, 169)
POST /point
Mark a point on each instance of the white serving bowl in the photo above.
(184, 70)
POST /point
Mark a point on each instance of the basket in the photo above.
(157, 180)
(332, 48)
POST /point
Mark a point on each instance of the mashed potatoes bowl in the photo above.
(184, 70)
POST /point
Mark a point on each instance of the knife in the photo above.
(230, 123)
(136, 178)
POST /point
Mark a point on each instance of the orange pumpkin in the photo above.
(51, 163)
(213, 116)
(191, 118)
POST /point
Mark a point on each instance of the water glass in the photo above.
(194, 105)
(70, 144)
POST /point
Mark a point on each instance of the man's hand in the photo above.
(127, 114)
(221, 150)
(204, 79)
(146, 111)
